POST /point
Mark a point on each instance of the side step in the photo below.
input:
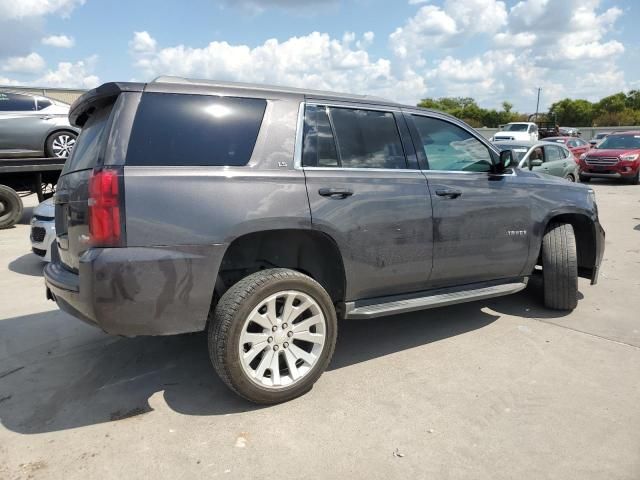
(394, 307)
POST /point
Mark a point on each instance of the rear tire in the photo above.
(570, 178)
(268, 362)
(10, 207)
(60, 144)
(560, 267)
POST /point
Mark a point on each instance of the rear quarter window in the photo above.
(194, 130)
(89, 145)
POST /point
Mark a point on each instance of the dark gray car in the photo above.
(34, 126)
(290, 210)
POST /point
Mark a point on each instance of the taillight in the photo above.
(105, 217)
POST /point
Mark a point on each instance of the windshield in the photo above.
(518, 151)
(620, 142)
(515, 127)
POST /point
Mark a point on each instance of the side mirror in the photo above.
(536, 162)
(506, 158)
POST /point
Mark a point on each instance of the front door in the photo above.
(363, 194)
(481, 220)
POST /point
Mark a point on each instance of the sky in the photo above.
(404, 50)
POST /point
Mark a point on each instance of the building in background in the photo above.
(65, 95)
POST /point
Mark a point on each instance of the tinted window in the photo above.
(13, 102)
(367, 139)
(175, 129)
(87, 149)
(449, 147)
(43, 103)
(319, 148)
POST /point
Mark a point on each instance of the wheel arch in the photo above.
(584, 228)
(308, 251)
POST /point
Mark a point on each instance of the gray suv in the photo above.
(34, 126)
(267, 215)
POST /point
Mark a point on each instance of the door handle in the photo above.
(448, 193)
(46, 118)
(335, 192)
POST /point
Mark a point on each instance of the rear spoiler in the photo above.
(94, 99)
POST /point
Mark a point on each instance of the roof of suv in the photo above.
(273, 88)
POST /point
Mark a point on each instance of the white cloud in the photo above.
(32, 63)
(18, 9)
(71, 75)
(259, 6)
(311, 61)
(142, 42)
(60, 41)
(446, 26)
(558, 46)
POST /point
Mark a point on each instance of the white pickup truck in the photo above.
(527, 131)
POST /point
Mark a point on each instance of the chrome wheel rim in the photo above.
(62, 145)
(282, 339)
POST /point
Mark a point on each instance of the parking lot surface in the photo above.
(496, 389)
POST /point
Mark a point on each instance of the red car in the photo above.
(618, 156)
(576, 145)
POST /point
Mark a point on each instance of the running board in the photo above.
(395, 307)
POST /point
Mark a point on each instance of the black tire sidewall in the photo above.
(11, 198)
(241, 383)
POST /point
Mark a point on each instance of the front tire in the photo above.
(635, 180)
(560, 267)
(272, 335)
(584, 179)
(10, 207)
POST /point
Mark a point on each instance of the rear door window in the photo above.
(89, 146)
(367, 139)
(553, 153)
(194, 130)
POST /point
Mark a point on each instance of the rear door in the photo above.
(480, 219)
(72, 191)
(366, 191)
(555, 163)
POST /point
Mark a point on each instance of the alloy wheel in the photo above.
(62, 145)
(282, 339)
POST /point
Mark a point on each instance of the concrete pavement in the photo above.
(496, 389)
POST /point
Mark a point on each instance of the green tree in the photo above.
(576, 113)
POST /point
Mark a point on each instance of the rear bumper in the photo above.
(138, 290)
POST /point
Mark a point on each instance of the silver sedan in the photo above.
(34, 126)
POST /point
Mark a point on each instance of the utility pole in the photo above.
(538, 103)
